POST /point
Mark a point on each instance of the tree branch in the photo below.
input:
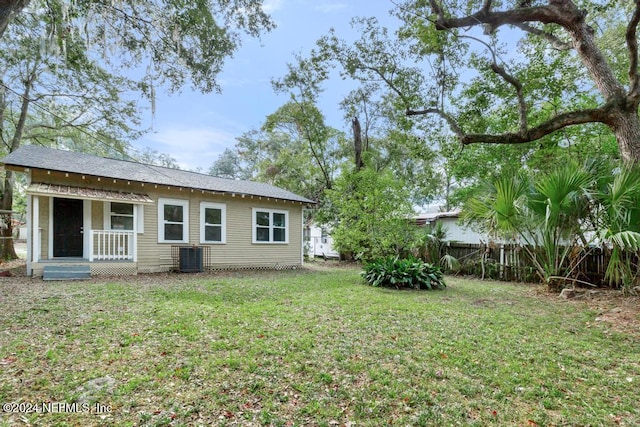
(512, 80)
(603, 114)
(555, 41)
(450, 120)
(545, 14)
(24, 112)
(564, 13)
(8, 10)
(632, 45)
(388, 81)
(556, 123)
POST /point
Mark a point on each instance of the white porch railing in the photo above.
(107, 245)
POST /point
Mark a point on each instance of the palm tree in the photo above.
(546, 219)
(501, 211)
(619, 225)
(560, 206)
(432, 242)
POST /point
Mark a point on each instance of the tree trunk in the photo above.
(8, 251)
(8, 10)
(620, 109)
(357, 143)
(626, 128)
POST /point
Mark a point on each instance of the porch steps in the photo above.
(66, 272)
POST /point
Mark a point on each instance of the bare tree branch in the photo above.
(388, 81)
(555, 41)
(558, 122)
(632, 45)
(24, 111)
(3, 107)
(603, 114)
(522, 105)
(437, 10)
(450, 120)
(8, 10)
(512, 80)
(545, 14)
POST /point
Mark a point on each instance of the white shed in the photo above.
(320, 243)
(456, 232)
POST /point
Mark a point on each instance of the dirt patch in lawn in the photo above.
(621, 312)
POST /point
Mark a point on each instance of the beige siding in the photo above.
(43, 221)
(97, 215)
(237, 252)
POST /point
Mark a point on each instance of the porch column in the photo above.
(34, 229)
(29, 232)
(87, 251)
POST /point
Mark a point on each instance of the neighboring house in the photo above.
(320, 242)
(456, 232)
(122, 217)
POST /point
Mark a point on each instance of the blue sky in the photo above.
(195, 128)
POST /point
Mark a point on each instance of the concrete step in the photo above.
(66, 272)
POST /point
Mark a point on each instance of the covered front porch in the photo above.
(70, 226)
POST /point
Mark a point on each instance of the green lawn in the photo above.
(311, 348)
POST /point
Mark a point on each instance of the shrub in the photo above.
(403, 273)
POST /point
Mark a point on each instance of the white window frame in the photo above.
(185, 219)
(108, 214)
(223, 222)
(254, 224)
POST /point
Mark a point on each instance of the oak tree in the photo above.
(554, 37)
(67, 66)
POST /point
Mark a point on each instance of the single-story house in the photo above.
(320, 242)
(123, 217)
(456, 232)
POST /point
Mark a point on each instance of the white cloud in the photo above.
(330, 7)
(192, 147)
(271, 6)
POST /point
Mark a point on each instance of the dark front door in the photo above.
(67, 228)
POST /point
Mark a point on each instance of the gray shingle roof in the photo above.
(36, 157)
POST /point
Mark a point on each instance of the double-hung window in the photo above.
(120, 216)
(213, 222)
(270, 226)
(173, 221)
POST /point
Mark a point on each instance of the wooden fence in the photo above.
(513, 263)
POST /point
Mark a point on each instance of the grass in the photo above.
(311, 348)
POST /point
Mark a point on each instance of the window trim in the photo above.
(108, 215)
(254, 225)
(223, 222)
(185, 219)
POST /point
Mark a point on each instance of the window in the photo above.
(323, 234)
(213, 223)
(121, 216)
(173, 221)
(270, 226)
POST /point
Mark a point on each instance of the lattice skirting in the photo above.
(255, 267)
(97, 268)
(131, 269)
(114, 269)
